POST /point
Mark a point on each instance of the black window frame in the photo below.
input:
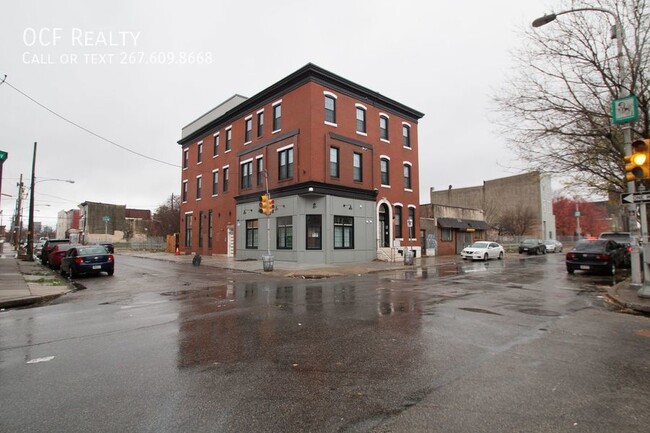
(215, 145)
(277, 117)
(411, 216)
(335, 166)
(344, 228)
(330, 113)
(215, 182)
(248, 129)
(259, 164)
(228, 139)
(199, 153)
(361, 123)
(406, 136)
(186, 158)
(200, 229)
(408, 184)
(284, 233)
(384, 174)
(252, 234)
(383, 131)
(357, 170)
(260, 124)
(314, 222)
(226, 178)
(185, 191)
(199, 186)
(398, 222)
(188, 230)
(285, 168)
(210, 227)
(246, 175)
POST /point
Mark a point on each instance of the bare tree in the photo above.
(517, 221)
(168, 214)
(556, 111)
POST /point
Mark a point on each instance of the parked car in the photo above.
(108, 245)
(532, 246)
(49, 246)
(38, 248)
(57, 253)
(87, 259)
(483, 250)
(603, 255)
(553, 246)
(623, 239)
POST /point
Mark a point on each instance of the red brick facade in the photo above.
(310, 140)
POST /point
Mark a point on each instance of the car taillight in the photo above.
(602, 257)
(629, 249)
(110, 258)
(570, 256)
(78, 260)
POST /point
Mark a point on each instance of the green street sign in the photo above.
(3, 156)
(625, 109)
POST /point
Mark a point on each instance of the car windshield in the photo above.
(590, 246)
(98, 249)
(530, 242)
(479, 245)
(549, 242)
(618, 237)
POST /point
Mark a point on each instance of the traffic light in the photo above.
(266, 204)
(637, 165)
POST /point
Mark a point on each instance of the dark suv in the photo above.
(623, 239)
(532, 246)
(49, 246)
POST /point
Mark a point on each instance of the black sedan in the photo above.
(597, 255)
(532, 246)
(87, 259)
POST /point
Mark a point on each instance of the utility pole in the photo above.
(30, 224)
(17, 215)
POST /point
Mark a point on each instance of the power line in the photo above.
(4, 81)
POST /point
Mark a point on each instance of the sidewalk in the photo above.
(25, 283)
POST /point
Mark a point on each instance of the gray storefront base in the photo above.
(299, 207)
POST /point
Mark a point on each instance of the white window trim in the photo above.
(259, 111)
(361, 106)
(380, 158)
(259, 156)
(328, 93)
(384, 157)
(250, 116)
(246, 161)
(200, 176)
(285, 148)
(410, 165)
(213, 173)
(365, 134)
(225, 166)
(398, 204)
(278, 102)
(410, 129)
(384, 115)
(330, 123)
(387, 118)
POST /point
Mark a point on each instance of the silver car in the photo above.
(553, 246)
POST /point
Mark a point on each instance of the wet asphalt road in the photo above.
(509, 346)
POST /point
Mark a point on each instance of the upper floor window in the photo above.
(199, 153)
(277, 117)
(184, 198)
(383, 127)
(357, 167)
(215, 182)
(260, 123)
(330, 108)
(198, 187)
(248, 132)
(215, 145)
(406, 135)
(228, 139)
(246, 174)
(285, 162)
(384, 168)
(260, 171)
(226, 178)
(186, 157)
(334, 162)
(407, 176)
(361, 119)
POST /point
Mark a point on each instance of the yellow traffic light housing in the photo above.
(266, 204)
(637, 165)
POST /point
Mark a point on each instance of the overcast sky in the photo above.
(443, 58)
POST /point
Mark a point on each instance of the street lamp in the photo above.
(30, 226)
(627, 140)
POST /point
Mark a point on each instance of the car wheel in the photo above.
(612, 269)
(570, 270)
(111, 272)
(485, 257)
(500, 255)
(62, 272)
(72, 273)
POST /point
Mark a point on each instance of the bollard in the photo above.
(268, 263)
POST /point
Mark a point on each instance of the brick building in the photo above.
(341, 162)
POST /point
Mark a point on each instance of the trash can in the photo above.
(268, 263)
(408, 257)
